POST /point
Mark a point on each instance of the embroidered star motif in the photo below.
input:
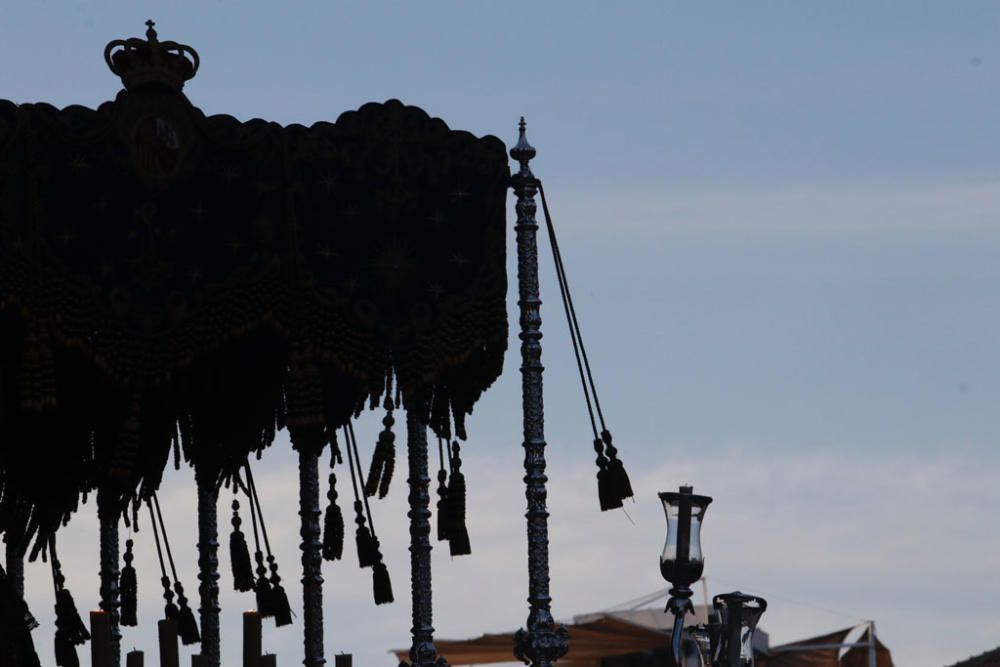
(458, 259)
(328, 181)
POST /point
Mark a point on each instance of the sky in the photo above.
(781, 222)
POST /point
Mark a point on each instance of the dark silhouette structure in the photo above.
(171, 281)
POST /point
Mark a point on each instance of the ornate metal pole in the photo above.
(542, 642)
(107, 515)
(208, 569)
(308, 441)
(423, 653)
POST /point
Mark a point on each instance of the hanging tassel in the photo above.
(363, 538)
(187, 626)
(279, 599)
(381, 584)
(384, 457)
(442, 491)
(605, 494)
(239, 554)
(170, 610)
(127, 586)
(262, 588)
(458, 534)
(271, 596)
(618, 481)
(70, 630)
(333, 525)
(68, 618)
(65, 651)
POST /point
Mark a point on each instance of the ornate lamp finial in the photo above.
(151, 62)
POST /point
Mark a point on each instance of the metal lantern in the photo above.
(682, 562)
(704, 639)
(739, 613)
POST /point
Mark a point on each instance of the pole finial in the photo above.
(523, 151)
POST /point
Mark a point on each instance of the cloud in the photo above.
(646, 213)
(828, 538)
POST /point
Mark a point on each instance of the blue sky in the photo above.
(781, 222)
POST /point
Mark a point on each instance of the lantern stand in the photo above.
(542, 642)
(728, 643)
(681, 562)
(740, 614)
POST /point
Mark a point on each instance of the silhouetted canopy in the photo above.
(170, 277)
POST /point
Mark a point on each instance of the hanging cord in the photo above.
(458, 533)
(170, 610)
(357, 461)
(381, 585)
(443, 518)
(187, 627)
(613, 482)
(239, 552)
(262, 588)
(127, 584)
(384, 457)
(362, 535)
(70, 630)
(282, 609)
(333, 522)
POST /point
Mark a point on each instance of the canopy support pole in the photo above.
(423, 653)
(108, 514)
(542, 642)
(15, 565)
(208, 569)
(309, 441)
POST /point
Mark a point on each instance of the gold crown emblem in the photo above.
(143, 62)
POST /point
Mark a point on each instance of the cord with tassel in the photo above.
(333, 522)
(170, 610)
(70, 630)
(442, 492)
(239, 552)
(381, 584)
(280, 608)
(128, 587)
(458, 533)
(187, 626)
(384, 457)
(362, 535)
(613, 484)
(261, 587)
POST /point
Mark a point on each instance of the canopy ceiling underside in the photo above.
(164, 273)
